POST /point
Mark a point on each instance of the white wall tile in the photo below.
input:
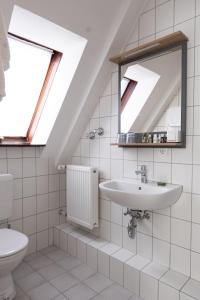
(147, 24)
(196, 149)
(92, 257)
(105, 229)
(196, 208)
(42, 203)
(197, 90)
(105, 209)
(94, 148)
(144, 245)
(197, 120)
(195, 183)
(182, 174)
(42, 240)
(188, 28)
(29, 206)
(3, 166)
(180, 260)
(180, 233)
(15, 167)
(190, 91)
(116, 270)
(161, 227)
(130, 166)
(105, 123)
(29, 167)
(129, 243)
(53, 182)
(166, 292)
(185, 297)
(116, 152)
(195, 265)
(164, 15)
(117, 167)
(42, 221)
(184, 10)
(29, 225)
(197, 63)
(183, 156)
(162, 155)
(104, 168)
(14, 152)
(195, 237)
(116, 234)
(105, 147)
(116, 213)
(182, 208)
(17, 210)
(190, 62)
(41, 166)
(162, 172)
(132, 279)
(29, 187)
(148, 287)
(161, 252)
(105, 106)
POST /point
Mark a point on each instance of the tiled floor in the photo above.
(52, 274)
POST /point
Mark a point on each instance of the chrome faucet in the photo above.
(143, 172)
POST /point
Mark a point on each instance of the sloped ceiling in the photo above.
(107, 25)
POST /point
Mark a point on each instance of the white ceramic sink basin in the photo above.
(140, 196)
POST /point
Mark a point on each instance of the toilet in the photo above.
(13, 244)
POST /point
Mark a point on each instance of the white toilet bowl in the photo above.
(13, 247)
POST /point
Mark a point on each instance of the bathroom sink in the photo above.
(140, 196)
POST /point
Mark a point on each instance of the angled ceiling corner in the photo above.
(89, 82)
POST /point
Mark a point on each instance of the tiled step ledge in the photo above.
(145, 278)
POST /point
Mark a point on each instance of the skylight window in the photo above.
(38, 79)
(26, 85)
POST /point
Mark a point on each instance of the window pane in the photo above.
(24, 81)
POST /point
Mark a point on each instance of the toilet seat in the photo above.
(11, 242)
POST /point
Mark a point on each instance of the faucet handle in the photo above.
(143, 167)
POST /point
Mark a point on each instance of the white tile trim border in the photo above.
(141, 276)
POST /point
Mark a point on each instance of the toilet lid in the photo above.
(11, 242)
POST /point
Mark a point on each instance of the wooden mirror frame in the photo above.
(172, 41)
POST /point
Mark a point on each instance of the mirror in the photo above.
(152, 99)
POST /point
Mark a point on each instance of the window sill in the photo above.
(17, 142)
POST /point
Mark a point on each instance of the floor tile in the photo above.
(80, 292)
(52, 271)
(98, 297)
(57, 255)
(20, 295)
(64, 282)
(47, 250)
(30, 282)
(32, 256)
(116, 292)
(82, 272)
(134, 297)
(61, 297)
(98, 282)
(40, 262)
(69, 262)
(22, 270)
(43, 292)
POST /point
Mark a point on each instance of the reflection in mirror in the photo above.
(151, 96)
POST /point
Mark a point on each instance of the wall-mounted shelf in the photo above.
(171, 40)
(149, 145)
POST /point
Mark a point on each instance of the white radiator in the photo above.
(82, 195)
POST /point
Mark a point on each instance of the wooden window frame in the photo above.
(48, 81)
(128, 92)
